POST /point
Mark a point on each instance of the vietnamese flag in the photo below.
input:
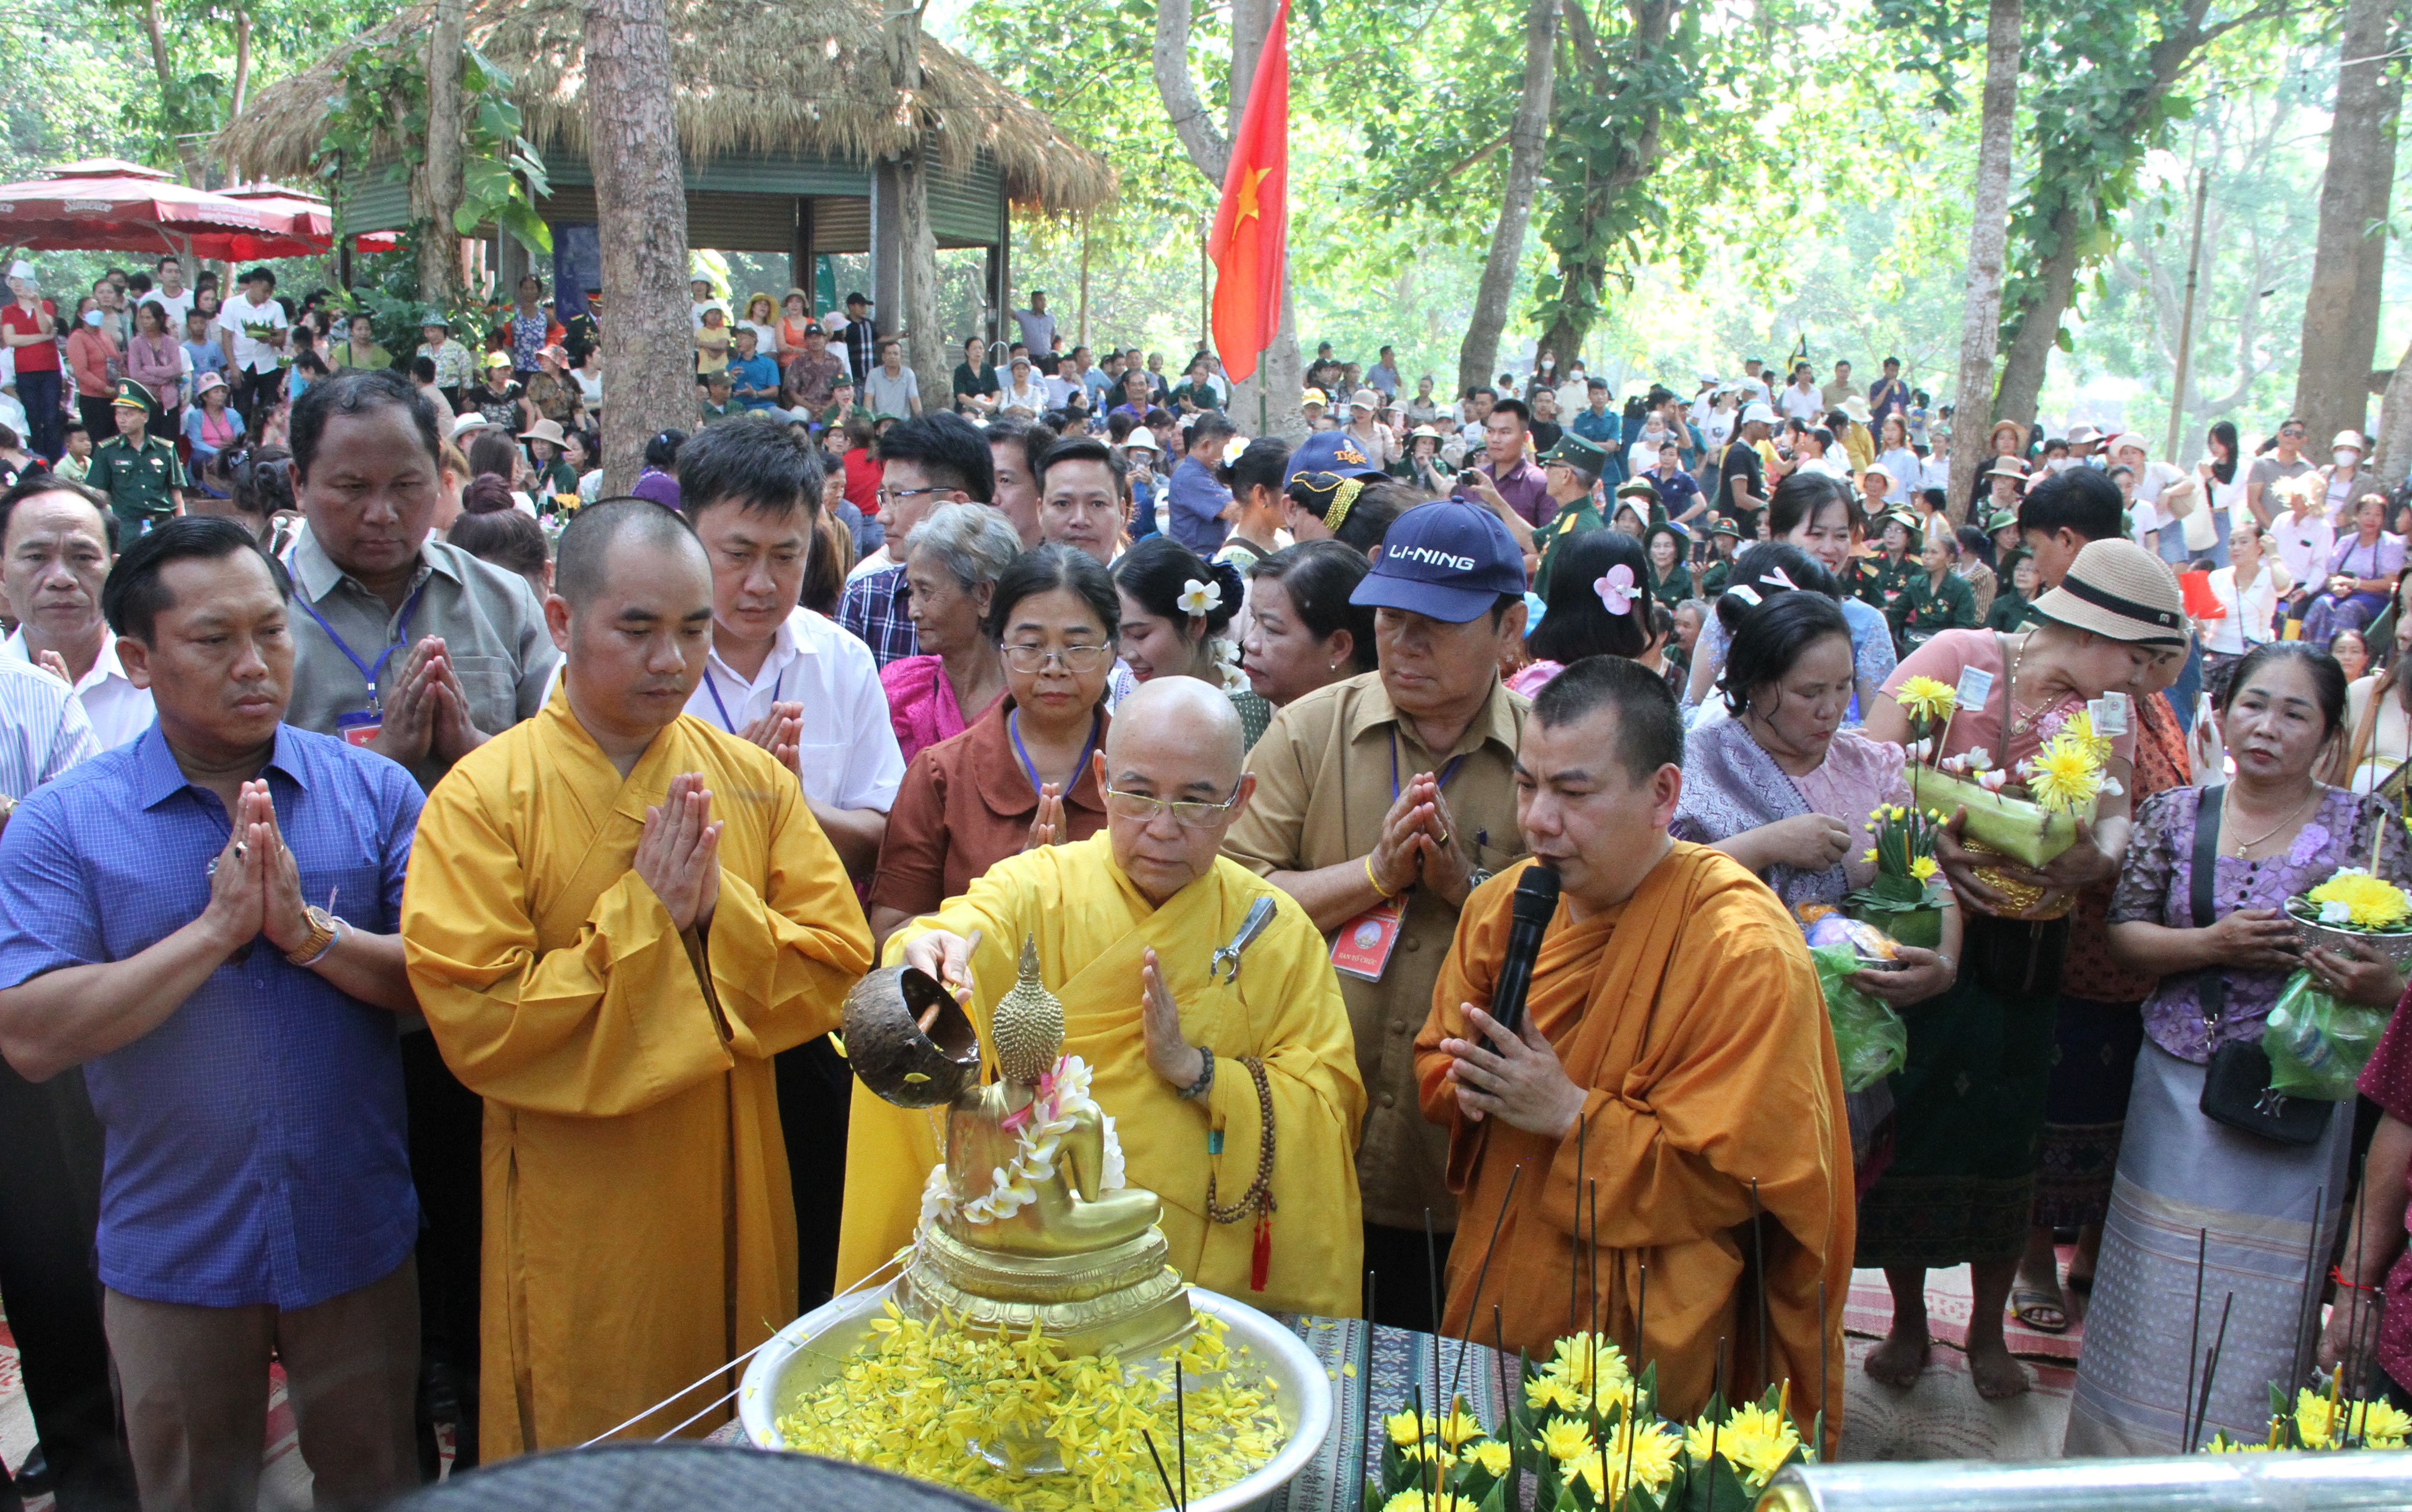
(1252, 228)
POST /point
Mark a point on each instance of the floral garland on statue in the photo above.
(1039, 1128)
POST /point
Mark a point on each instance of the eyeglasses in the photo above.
(888, 496)
(1189, 815)
(1074, 658)
(2291, 430)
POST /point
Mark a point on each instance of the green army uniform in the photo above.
(1718, 570)
(143, 478)
(2009, 613)
(1586, 459)
(1883, 580)
(1675, 589)
(835, 418)
(1922, 609)
(1202, 395)
(708, 414)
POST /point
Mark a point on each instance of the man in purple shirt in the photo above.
(1525, 486)
(1199, 499)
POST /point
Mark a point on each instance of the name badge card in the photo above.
(1362, 947)
(361, 727)
(1975, 686)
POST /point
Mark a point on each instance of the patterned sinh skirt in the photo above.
(2186, 1184)
(1969, 1105)
(2086, 1107)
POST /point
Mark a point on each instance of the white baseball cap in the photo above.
(2350, 438)
(1756, 412)
(21, 268)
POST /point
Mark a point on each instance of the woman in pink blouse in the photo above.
(951, 564)
(156, 360)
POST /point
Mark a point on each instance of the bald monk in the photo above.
(1127, 922)
(620, 916)
(1674, 1048)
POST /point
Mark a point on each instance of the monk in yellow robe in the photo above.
(1674, 1049)
(1127, 923)
(615, 916)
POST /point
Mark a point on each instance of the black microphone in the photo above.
(1537, 899)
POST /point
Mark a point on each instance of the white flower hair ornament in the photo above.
(1615, 588)
(1200, 597)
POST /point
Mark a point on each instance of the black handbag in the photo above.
(2236, 1089)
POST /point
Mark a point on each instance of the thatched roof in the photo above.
(753, 74)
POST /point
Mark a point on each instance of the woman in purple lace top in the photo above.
(2258, 1206)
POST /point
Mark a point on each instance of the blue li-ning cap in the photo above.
(1450, 560)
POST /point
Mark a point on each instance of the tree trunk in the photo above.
(1582, 280)
(242, 62)
(925, 344)
(1528, 140)
(439, 241)
(1273, 391)
(2392, 456)
(641, 205)
(1980, 305)
(2340, 316)
(155, 26)
(2055, 287)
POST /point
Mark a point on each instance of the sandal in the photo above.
(2031, 1306)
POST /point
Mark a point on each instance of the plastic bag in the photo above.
(2317, 1045)
(1869, 1039)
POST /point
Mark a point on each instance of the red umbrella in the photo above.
(314, 219)
(102, 204)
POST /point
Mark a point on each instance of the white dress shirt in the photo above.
(2246, 624)
(2305, 544)
(117, 710)
(43, 731)
(847, 750)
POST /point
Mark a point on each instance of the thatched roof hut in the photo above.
(757, 80)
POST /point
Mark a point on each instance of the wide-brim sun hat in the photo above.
(544, 431)
(2009, 467)
(2117, 589)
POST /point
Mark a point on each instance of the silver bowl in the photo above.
(807, 1353)
(2396, 949)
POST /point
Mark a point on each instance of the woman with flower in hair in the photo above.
(1781, 786)
(2260, 1206)
(1597, 605)
(1970, 1098)
(1175, 609)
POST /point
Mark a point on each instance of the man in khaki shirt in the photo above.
(1381, 801)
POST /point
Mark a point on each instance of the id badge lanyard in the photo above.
(363, 726)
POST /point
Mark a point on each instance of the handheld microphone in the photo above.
(1537, 899)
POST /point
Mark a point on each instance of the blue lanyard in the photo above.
(370, 674)
(713, 688)
(1446, 773)
(1030, 768)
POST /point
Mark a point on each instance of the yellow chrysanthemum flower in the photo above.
(1577, 1357)
(2315, 1419)
(1459, 1425)
(2380, 1424)
(2065, 775)
(1566, 1439)
(1653, 1451)
(2079, 729)
(1421, 1500)
(1758, 1442)
(1925, 700)
(2374, 903)
(1869, 855)
(1545, 1391)
(1404, 1427)
(1491, 1454)
(1923, 868)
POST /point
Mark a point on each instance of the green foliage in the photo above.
(383, 108)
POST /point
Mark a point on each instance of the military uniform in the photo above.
(1882, 580)
(1921, 610)
(142, 479)
(1585, 458)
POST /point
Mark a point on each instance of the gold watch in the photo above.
(320, 940)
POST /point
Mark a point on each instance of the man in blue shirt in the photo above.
(1601, 427)
(204, 920)
(753, 378)
(1198, 498)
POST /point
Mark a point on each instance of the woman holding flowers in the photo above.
(2265, 1205)
(1783, 788)
(1971, 1096)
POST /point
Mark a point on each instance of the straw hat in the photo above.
(2009, 467)
(2116, 588)
(544, 431)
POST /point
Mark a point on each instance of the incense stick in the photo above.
(2305, 1303)
(2210, 1374)
(1180, 1429)
(2193, 1335)
(1431, 1278)
(1716, 1414)
(1427, 1454)
(1365, 1391)
(1574, 1266)
(1508, 1397)
(1482, 1274)
(1148, 1439)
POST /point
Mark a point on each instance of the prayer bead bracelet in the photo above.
(1259, 1196)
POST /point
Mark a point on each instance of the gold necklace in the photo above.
(2018, 722)
(2243, 846)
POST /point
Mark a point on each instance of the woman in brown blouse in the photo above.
(1023, 774)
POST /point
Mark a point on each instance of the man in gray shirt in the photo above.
(2284, 463)
(412, 648)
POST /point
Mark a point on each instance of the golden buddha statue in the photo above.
(1028, 1220)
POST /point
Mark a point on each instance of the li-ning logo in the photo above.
(1431, 558)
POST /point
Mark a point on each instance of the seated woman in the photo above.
(1597, 607)
(2363, 571)
(210, 426)
(2017, 591)
(1935, 599)
(1022, 775)
(1670, 580)
(2260, 1204)
(1783, 788)
(952, 560)
(2351, 649)
(2378, 712)
(1174, 611)
(1303, 632)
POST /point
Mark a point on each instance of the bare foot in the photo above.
(1902, 1357)
(1998, 1376)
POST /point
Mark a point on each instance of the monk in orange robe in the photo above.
(1674, 1049)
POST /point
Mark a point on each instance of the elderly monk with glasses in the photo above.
(1234, 1090)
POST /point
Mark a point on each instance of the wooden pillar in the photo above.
(1000, 311)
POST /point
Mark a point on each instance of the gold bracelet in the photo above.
(1384, 893)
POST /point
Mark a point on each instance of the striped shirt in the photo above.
(43, 728)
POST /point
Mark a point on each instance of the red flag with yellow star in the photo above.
(1252, 228)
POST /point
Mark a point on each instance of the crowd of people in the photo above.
(416, 862)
